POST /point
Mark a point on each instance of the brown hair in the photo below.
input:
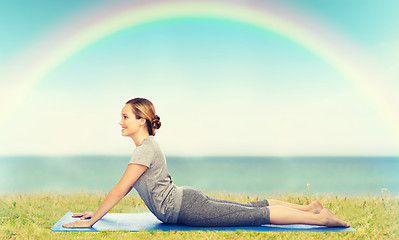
(143, 108)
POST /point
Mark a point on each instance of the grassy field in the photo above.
(30, 216)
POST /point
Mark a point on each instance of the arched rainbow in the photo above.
(107, 22)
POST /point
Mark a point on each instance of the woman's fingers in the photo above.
(83, 215)
(78, 224)
(79, 214)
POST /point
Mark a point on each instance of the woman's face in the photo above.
(130, 125)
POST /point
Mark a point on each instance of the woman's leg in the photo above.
(197, 209)
(286, 215)
(314, 207)
(261, 203)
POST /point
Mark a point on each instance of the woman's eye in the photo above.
(124, 117)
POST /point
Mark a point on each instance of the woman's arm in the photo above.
(121, 189)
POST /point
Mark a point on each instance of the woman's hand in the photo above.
(84, 215)
(78, 224)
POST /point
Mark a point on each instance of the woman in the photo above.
(147, 173)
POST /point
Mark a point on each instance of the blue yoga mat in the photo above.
(135, 222)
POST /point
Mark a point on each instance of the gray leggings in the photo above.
(197, 209)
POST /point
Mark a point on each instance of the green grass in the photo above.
(30, 216)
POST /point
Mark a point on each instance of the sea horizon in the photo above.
(252, 175)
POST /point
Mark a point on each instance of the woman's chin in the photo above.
(125, 135)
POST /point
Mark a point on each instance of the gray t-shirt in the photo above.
(155, 185)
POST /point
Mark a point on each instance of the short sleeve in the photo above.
(143, 155)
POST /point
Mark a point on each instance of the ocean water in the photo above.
(344, 176)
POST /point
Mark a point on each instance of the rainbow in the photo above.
(108, 20)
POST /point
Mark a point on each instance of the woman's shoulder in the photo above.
(148, 149)
(149, 144)
(143, 153)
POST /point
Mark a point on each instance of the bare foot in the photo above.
(331, 220)
(316, 207)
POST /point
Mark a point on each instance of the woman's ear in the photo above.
(142, 121)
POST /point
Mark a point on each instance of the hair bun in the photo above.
(156, 123)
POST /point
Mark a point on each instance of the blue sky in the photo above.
(220, 87)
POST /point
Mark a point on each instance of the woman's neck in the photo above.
(139, 138)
